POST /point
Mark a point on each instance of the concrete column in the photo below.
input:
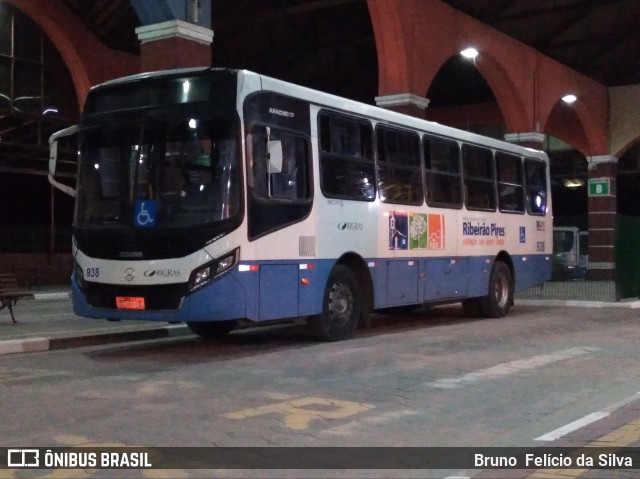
(602, 217)
(532, 139)
(407, 103)
(174, 44)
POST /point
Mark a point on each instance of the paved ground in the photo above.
(46, 323)
(57, 331)
(41, 327)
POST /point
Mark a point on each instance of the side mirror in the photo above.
(53, 159)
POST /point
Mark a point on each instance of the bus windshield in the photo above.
(162, 171)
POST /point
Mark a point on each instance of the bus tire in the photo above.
(497, 303)
(341, 306)
(212, 329)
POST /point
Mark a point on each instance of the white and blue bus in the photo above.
(220, 198)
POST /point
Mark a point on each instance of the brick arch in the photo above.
(89, 61)
(564, 122)
(591, 109)
(409, 64)
(415, 38)
(506, 92)
(393, 65)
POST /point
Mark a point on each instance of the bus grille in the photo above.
(307, 245)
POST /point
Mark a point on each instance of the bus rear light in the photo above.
(305, 282)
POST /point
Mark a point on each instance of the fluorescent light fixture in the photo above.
(573, 182)
(569, 99)
(470, 53)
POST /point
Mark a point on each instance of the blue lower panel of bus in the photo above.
(262, 291)
(275, 290)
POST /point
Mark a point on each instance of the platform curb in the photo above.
(571, 303)
(31, 345)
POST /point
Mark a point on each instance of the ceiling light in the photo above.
(573, 182)
(569, 99)
(470, 53)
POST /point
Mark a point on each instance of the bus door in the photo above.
(279, 197)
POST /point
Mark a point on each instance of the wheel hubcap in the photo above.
(501, 290)
(340, 304)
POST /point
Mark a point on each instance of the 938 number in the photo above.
(92, 273)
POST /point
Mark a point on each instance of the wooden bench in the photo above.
(10, 292)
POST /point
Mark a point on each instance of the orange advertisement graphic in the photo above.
(436, 231)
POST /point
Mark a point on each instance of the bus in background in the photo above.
(221, 198)
(570, 253)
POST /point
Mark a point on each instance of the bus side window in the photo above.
(536, 186)
(478, 171)
(399, 179)
(442, 172)
(346, 161)
(510, 183)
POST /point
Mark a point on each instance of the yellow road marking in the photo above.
(621, 437)
(298, 415)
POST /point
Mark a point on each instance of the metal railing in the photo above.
(34, 239)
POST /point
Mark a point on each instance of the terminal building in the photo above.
(562, 76)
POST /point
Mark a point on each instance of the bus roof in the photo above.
(328, 100)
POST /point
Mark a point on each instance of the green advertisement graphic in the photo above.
(418, 237)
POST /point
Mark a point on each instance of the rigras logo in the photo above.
(162, 273)
(350, 226)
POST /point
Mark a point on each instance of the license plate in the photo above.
(130, 302)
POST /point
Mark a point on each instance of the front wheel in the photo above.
(497, 303)
(212, 329)
(342, 306)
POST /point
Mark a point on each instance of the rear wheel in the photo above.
(212, 329)
(497, 303)
(342, 306)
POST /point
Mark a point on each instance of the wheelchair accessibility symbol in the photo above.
(144, 215)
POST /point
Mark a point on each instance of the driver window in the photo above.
(285, 180)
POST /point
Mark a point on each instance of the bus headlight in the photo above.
(226, 263)
(209, 271)
(202, 275)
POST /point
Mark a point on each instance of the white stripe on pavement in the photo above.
(586, 420)
(511, 367)
(572, 426)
